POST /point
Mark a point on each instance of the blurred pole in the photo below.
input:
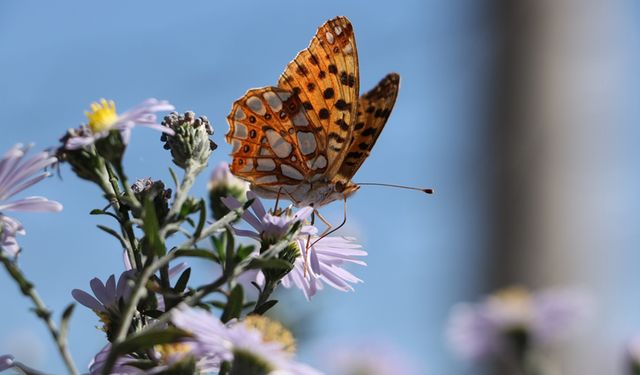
(561, 128)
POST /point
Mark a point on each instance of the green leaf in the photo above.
(230, 248)
(174, 177)
(113, 233)
(198, 253)
(66, 317)
(151, 229)
(202, 219)
(183, 280)
(265, 306)
(219, 304)
(234, 304)
(244, 251)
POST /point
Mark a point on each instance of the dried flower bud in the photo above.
(154, 191)
(190, 145)
(84, 162)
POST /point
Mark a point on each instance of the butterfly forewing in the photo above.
(326, 79)
(372, 113)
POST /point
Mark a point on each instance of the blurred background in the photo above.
(522, 115)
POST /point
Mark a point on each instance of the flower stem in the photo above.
(26, 287)
(265, 293)
(182, 191)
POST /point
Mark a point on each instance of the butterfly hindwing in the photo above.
(372, 113)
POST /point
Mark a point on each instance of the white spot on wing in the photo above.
(318, 162)
(263, 151)
(307, 142)
(236, 145)
(240, 130)
(267, 179)
(338, 30)
(281, 147)
(347, 49)
(239, 115)
(300, 119)
(274, 102)
(284, 96)
(248, 166)
(291, 172)
(329, 37)
(256, 105)
(266, 165)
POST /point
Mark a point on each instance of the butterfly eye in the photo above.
(339, 187)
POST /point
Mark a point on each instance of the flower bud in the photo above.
(154, 191)
(84, 162)
(190, 145)
(224, 184)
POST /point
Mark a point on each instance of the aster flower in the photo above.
(6, 362)
(103, 118)
(514, 320)
(327, 257)
(369, 357)
(224, 184)
(633, 355)
(16, 175)
(251, 347)
(161, 359)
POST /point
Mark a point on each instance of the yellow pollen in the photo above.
(271, 331)
(102, 115)
(516, 295)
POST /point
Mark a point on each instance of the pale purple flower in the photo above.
(103, 119)
(124, 364)
(6, 362)
(222, 177)
(213, 339)
(16, 175)
(371, 357)
(326, 260)
(108, 296)
(266, 225)
(479, 330)
(120, 367)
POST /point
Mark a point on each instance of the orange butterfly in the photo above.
(305, 139)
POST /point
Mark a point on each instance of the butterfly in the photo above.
(305, 138)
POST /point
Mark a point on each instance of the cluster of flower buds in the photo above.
(190, 144)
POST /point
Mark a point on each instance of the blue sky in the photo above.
(56, 58)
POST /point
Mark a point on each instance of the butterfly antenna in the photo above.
(424, 190)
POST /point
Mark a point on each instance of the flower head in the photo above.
(250, 346)
(6, 362)
(224, 184)
(188, 139)
(515, 320)
(16, 175)
(103, 118)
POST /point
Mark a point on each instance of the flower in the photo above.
(326, 258)
(159, 360)
(371, 357)
(633, 355)
(103, 118)
(16, 175)
(109, 298)
(224, 184)
(515, 320)
(242, 344)
(6, 362)
(188, 139)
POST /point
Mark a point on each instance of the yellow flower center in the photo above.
(172, 350)
(271, 331)
(102, 115)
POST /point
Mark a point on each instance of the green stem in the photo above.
(123, 214)
(182, 191)
(26, 287)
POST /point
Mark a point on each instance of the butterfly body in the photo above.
(305, 138)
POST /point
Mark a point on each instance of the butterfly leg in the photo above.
(275, 207)
(329, 229)
(308, 244)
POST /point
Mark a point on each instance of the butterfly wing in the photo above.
(372, 113)
(325, 78)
